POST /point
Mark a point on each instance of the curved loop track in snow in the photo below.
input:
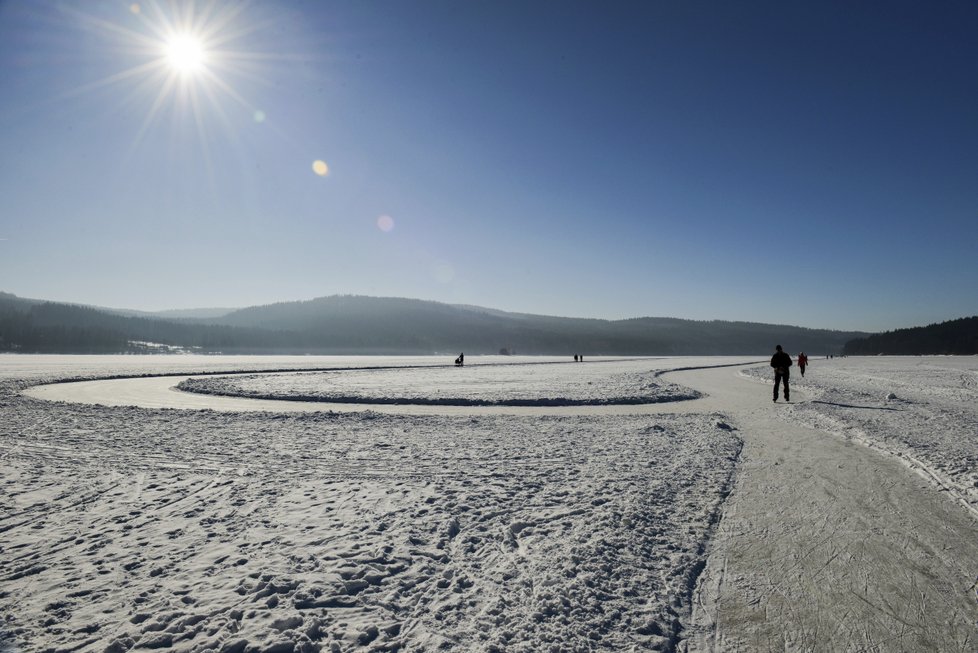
(162, 392)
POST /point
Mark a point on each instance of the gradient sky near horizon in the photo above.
(810, 163)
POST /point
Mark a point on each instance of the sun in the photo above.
(188, 58)
(185, 54)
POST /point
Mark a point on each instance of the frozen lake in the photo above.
(516, 504)
(321, 530)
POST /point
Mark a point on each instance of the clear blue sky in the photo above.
(810, 163)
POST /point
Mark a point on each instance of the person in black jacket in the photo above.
(780, 362)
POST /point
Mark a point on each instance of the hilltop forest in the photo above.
(376, 325)
(951, 337)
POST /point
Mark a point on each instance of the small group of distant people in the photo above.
(578, 358)
(781, 362)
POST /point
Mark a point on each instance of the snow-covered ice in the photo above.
(129, 529)
(600, 382)
(545, 525)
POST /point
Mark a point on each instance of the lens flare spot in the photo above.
(320, 168)
(385, 223)
(134, 8)
(259, 116)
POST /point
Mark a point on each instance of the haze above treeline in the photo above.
(344, 324)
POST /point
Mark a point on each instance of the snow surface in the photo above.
(600, 382)
(129, 528)
(537, 527)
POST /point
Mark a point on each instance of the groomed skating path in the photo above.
(826, 545)
(823, 545)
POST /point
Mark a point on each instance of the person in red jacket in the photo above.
(780, 362)
(802, 362)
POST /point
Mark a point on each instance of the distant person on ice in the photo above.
(780, 362)
(802, 362)
(460, 361)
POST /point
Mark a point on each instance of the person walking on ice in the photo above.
(780, 362)
(802, 362)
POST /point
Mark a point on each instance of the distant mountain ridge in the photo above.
(193, 313)
(350, 324)
(172, 313)
(419, 325)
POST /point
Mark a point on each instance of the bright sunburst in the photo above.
(182, 57)
(185, 53)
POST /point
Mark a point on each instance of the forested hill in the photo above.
(375, 325)
(423, 326)
(34, 326)
(952, 337)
